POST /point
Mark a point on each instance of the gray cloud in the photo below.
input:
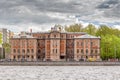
(56, 11)
(108, 4)
(112, 8)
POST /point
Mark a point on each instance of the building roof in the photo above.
(62, 32)
(23, 36)
(87, 36)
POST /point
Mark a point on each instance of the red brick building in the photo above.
(55, 46)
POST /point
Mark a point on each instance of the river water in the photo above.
(59, 73)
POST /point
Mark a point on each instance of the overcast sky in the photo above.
(40, 15)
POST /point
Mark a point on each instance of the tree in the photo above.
(74, 28)
(104, 30)
(90, 29)
(7, 48)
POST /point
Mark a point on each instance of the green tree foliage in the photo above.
(90, 29)
(7, 47)
(74, 28)
(0, 38)
(110, 38)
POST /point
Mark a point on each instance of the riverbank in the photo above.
(59, 63)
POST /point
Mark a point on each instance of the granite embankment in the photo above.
(59, 63)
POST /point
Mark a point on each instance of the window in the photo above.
(14, 57)
(32, 50)
(48, 36)
(39, 51)
(23, 51)
(18, 56)
(86, 43)
(14, 50)
(27, 56)
(81, 43)
(56, 50)
(38, 44)
(81, 50)
(86, 51)
(96, 51)
(18, 51)
(28, 51)
(53, 50)
(32, 57)
(54, 36)
(61, 36)
(77, 43)
(77, 50)
(91, 43)
(91, 51)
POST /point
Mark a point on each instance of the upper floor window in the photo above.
(39, 51)
(81, 43)
(81, 50)
(14, 50)
(77, 50)
(32, 50)
(77, 43)
(48, 36)
(91, 51)
(61, 36)
(23, 51)
(54, 36)
(91, 43)
(96, 51)
(28, 51)
(18, 51)
(38, 44)
(86, 51)
(56, 50)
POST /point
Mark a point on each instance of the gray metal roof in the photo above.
(87, 36)
(63, 32)
(23, 36)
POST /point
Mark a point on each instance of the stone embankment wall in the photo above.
(60, 63)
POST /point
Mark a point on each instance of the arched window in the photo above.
(82, 44)
(14, 50)
(18, 50)
(81, 50)
(54, 36)
(96, 51)
(32, 57)
(91, 51)
(77, 50)
(39, 51)
(28, 51)
(86, 51)
(23, 51)
(38, 44)
(32, 50)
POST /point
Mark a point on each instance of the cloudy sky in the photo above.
(40, 15)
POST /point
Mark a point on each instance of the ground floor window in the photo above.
(62, 57)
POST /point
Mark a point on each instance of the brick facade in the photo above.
(55, 46)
